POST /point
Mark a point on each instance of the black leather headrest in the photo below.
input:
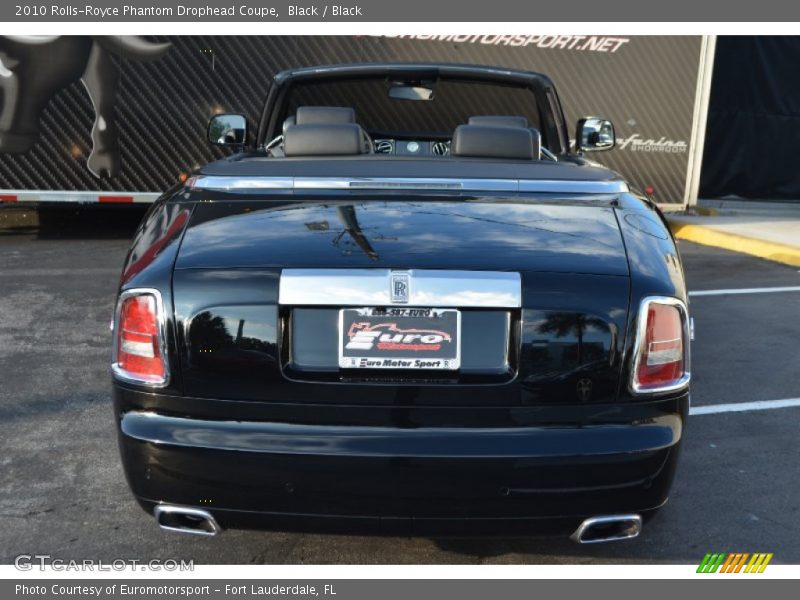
(312, 115)
(493, 142)
(324, 139)
(499, 121)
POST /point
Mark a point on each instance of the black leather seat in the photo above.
(511, 121)
(324, 139)
(325, 115)
(485, 141)
(315, 115)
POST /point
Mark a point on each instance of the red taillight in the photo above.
(661, 361)
(138, 350)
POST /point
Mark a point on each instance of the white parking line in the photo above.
(744, 406)
(769, 290)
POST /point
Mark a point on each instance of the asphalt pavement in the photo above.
(63, 492)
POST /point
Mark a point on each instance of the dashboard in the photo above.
(412, 147)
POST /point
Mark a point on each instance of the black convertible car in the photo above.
(403, 305)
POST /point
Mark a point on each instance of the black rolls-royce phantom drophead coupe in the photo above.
(406, 305)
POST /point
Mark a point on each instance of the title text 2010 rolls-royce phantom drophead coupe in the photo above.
(403, 306)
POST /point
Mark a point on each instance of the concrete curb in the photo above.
(708, 236)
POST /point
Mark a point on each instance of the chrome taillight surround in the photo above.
(120, 373)
(641, 332)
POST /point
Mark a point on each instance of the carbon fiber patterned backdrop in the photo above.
(645, 85)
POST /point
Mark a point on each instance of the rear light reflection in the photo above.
(138, 345)
(661, 361)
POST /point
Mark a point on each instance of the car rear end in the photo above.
(404, 363)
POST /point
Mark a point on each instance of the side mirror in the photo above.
(593, 134)
(227, 130)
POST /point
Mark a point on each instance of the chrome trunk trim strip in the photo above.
(240, 183)
(557, 186)
(426, 288)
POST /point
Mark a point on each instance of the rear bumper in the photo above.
(421, 480)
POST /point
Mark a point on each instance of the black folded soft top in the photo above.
(370, 165)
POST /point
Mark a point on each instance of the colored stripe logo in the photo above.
(735, 562)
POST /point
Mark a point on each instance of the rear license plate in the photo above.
(400, 338)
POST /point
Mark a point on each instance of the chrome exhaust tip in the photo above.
(186, 520)
(608, 528)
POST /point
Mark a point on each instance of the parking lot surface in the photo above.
(63, 493)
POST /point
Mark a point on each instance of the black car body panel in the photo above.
(538, 429)
(409, 470)
(423, 232)
(211, 304)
